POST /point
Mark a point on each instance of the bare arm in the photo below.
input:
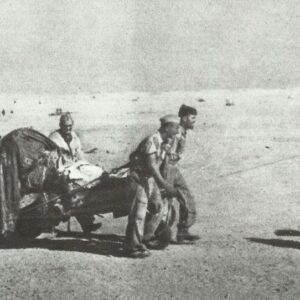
(176, 150)
(180, 148)
(155, 172)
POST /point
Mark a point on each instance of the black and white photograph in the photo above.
(149, 149)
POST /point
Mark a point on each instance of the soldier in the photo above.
(70, 145)
(185, 212)
(145, 165)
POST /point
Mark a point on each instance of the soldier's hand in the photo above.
(166, 147)
(170, 190)
(174, 156)
(155, 206)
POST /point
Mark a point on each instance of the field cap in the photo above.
(169, 119)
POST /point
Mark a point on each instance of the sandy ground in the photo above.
(242, 163)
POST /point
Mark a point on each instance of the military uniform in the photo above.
(185, 208)
(147, 193)
(178, 146)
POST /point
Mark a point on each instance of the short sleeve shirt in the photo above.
(152, 145)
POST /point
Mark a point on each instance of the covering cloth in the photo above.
(20, 152)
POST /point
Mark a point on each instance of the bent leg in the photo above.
(187, 209)
(173, 218)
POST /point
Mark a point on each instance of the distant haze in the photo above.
(91, 46)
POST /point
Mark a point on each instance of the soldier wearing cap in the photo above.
(185, 208)
(145, 165)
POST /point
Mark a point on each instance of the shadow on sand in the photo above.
(287, 232)
(279, 242)
(102, 244)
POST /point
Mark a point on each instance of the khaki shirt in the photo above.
(178, 146)
(150, 145)
(153, 145)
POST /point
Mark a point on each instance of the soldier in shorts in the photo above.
(145, 168)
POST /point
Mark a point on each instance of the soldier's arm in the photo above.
(180, 148)
(177, 148)
(153, 167)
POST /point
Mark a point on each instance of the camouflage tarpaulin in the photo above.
(19, 152)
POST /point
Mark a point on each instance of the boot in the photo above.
(139, 251)
(185, 235)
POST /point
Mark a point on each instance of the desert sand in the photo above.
(242, 162)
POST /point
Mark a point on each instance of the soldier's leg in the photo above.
(187, 210)
(153, 217)
(187, 202)
(173, 218)
(135, 227)
(170, 172)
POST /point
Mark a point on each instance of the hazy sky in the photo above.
(66, 46)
